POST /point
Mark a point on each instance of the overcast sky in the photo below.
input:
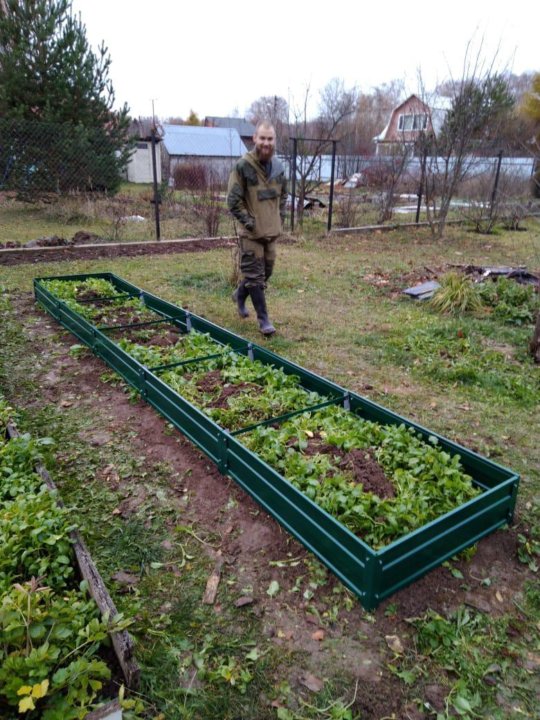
(218, 56)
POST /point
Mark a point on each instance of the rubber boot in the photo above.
(259, 303)
(239, 296)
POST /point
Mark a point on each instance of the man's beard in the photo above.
(263, 154)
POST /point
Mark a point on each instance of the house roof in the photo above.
(202, 141)
(245, 128)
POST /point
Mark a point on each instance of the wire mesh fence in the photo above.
(39, 158)
(60, 183)
(376, 190)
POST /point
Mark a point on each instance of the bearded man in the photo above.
(256, 197)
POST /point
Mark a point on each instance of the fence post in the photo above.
(293, 182)
(496, 183)
(156, 201)
(421, 187)
(332, 175)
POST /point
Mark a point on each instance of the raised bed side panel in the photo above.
(409, 558)
(343, 553)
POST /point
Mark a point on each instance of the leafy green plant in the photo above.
(86, 298)
(457, 294)
(51, 631)
(511, 302)
(426, 480)
(34, 535)
(48, 654)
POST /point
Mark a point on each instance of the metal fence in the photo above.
(38, 158)
(57, 180)
(345, 191)
(60, 182)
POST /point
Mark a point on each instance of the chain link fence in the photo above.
(375, 190)
(39, 159)
(62, 183)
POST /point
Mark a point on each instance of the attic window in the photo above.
(142, 145)
(412, 122)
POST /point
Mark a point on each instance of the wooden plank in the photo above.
(210, 592)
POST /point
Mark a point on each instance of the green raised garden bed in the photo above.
(379, 499)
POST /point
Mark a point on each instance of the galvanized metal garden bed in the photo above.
(372, 574)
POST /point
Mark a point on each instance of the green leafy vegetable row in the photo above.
(51, 630)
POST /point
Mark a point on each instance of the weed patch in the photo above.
(462, 355)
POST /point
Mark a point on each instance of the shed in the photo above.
(211, 147)
(140, 169)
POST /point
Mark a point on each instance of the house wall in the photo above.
(413, 106)
(139, 169)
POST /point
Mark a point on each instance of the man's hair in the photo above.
(267, 124)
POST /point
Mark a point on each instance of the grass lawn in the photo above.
(151, 505)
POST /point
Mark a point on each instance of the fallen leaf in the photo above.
(311, 682)
(125, 578)
(499, 596)
(285, 634)
(244, 600)
(533, 661)
(394, 643)
(273, 588)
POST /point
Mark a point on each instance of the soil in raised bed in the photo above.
(365, 469)
(123, 316)
(212, 381)
(164, 337)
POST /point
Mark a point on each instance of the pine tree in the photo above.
(58, 127)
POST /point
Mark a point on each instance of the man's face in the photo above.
(265, 143)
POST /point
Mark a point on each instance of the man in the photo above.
(256, 197)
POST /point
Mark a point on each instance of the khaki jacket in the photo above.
(255, 201)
